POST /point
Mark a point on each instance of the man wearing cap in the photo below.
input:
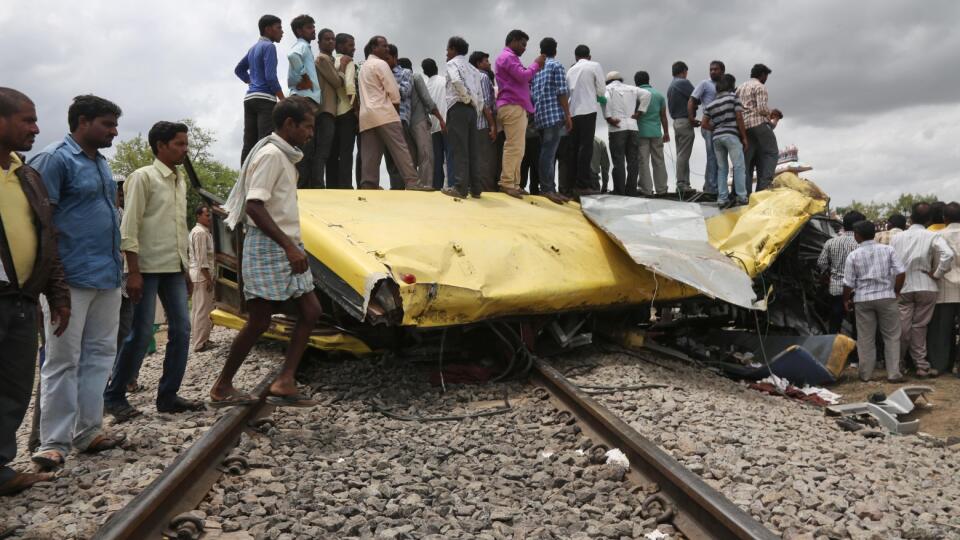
(762, 152)
(625, 103)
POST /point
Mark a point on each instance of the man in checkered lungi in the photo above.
(274, 266)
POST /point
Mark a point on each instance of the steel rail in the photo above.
(187, 480)
(701, 512)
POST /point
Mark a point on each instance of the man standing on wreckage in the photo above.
(274, 265)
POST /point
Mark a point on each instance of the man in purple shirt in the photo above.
(513, 105)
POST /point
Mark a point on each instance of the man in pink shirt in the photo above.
(513, 106)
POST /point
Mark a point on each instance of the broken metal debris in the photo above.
(885, 412)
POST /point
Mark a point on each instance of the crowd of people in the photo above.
(501, 125)
(85, 260)
(901, 284)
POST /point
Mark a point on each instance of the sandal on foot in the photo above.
(233, 399)
(21, 482)
(48, 460)
(103, 442)
(293, 400)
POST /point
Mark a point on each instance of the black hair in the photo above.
(723, 67)
(369, 47)
(641, 77)
(342, 39)
(514, 35)
(299, 22)
(394, 52)
(726, 83)
(267, 21)
(477, 56)
(89, 107)
(405, 63)
(326, 31)
(759, 70)
(951, 212)
(920, 214)
(548, 47)
(164, 132)
(582, 51)
(458, 44)
(199, 209)
(429, 67)
(865, 229)
(936, 211)
(296, 107)
(11, 100)
(850, 218)
(678, 68)
(897, 220)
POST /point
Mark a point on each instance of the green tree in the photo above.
(880, 211)
(214, 176)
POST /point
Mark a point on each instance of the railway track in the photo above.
(678, 496)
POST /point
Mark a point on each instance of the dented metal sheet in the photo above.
(670, 238)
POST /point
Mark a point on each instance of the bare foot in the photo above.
(223, 391)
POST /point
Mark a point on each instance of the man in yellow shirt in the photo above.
(29, 265)
(154, 240)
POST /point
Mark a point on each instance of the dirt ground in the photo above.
(941, 418)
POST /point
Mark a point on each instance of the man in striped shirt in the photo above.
(833, 258)
(763, 152)
(872, 279)
(918, 249)
(724, 117)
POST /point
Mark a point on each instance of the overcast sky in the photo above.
(869, 89)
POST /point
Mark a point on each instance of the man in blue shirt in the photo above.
(258, 68)
(678, 97)
(551, 116)
(82, 193)
(703, 94)
(302, 80)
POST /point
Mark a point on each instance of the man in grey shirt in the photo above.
(678, 97)
(419, 139)
(703, 94)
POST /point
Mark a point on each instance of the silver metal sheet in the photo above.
(670, 238)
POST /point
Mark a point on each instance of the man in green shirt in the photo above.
(154, 239)
(653, 132)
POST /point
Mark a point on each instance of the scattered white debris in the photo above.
(340, 460)
(616, 457)
(655, 535)
(779, 383)
(546, 454)
(580, 452)
(824, 394)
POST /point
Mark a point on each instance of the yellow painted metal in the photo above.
(334, 342)
(500, 256)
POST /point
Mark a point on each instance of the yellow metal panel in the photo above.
(336, 342)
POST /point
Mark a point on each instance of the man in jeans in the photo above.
(926, 258)
(653, 132)
(29, 266)
(763, 152)
(551, 116)
(872, 279)
(703, 94)
(154, 240)
(678, 96)
(258, 69)
(724, 117)
(625, 103)
(513, 105)
(83, 195)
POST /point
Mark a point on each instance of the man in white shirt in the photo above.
(941, 334)
(437, 87)
(587, 86)
(917, 249)
(200, 250)
(464, 103)
(625, 103)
